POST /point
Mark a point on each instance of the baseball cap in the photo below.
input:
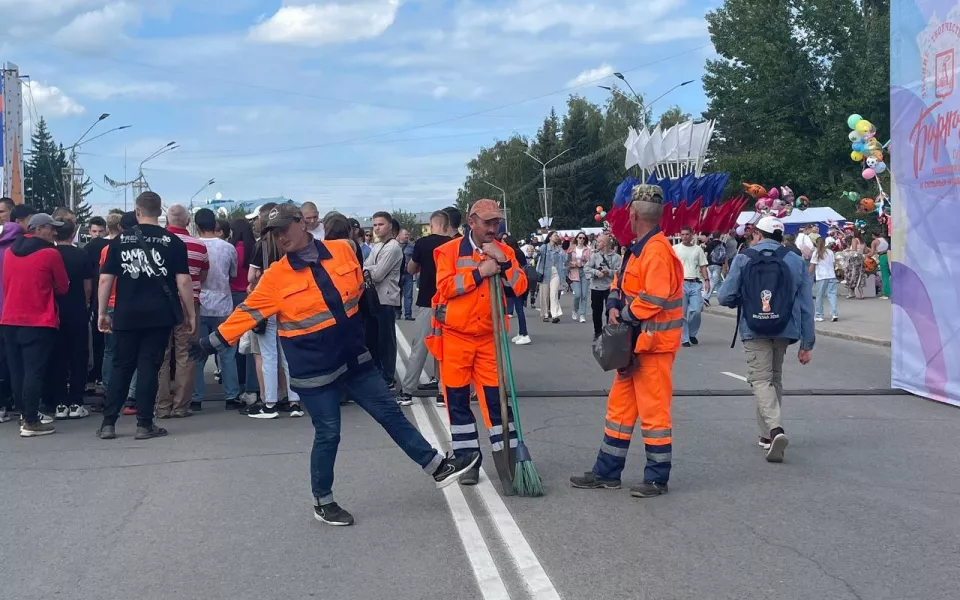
(255, 213)
(41, 219)
(282, 217)
(770, 225)
(486, 210)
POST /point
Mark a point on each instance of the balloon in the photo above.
(787, 194)
(774, 193)
(778, 204)
(869, 174)
(872, 162)
(851, 196)
(852, 120)
(780, 213)
(880, 167)
(864, 127)
(597, 217)
(856, 156)
(754, 190)
(603, 213)
(855, 136)
(859, 147)
(867, 204)
(874, 145)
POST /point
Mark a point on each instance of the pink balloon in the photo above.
(774, 193)
(869, 174)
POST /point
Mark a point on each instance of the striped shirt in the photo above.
(197, 258)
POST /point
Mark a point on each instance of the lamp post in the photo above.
(205, 186)
(506, 222)
(72, 172)
(140, 183)
(546, 211)
(645, 106)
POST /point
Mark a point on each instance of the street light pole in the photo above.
(506, 222)
(71, 171)
(546, 211)
(645, 107)
(205, 186)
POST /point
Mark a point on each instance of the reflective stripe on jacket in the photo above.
(462, 301)
(650, 294)
(317, 314)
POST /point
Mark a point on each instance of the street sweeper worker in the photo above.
(463, 338)
(648, 297)
(315, 292)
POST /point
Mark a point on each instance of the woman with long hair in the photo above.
(516, 305)
(853, 270)
(578, 257)
(823, 267)
(552, 267)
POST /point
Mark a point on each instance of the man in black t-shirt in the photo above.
(93, 248)
(67, 373)
(422, 262)
(154, 293)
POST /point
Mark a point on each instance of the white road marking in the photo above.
(481, 560)
(534, 577)
(735, 376)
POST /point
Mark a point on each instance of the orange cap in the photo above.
(486, 210)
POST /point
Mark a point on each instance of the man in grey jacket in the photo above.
(382, 268)
(603, 264)
(765, 354)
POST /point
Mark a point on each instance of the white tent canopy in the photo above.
(814, 214)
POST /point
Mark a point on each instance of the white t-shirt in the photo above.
(692, 258)
(579, 253)
(215, 297)
(825, 268)
(317, 233)
(805, 245)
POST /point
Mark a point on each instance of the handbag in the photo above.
(613, 350)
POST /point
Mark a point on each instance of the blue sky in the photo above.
(357, 105)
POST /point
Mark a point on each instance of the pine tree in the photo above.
(43, 175)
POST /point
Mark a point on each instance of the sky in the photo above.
(356, 105)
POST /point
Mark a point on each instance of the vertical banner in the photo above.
(11, 147)
(925, 197)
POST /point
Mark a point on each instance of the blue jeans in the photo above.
(826, 288)
(406, 281)
(581, 295)
(515, 305)
(228, 364)
(692, 306)
(715, 272)
(369, 391)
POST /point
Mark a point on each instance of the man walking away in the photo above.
(382, 270)
(178, 219)
(10, 231)
(603, 265)
(67, 374)
(423, 262)
(772, 291)
(216, 304)
(716, 258)
(696, 282)
(154, 294)
(406, 278)
(33, 274)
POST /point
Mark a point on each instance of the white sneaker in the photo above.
(63, 412)
(46, 419)
(295, 410)
(78, 412)
(522, 340)
(835, 318)
(4, 415)
(819, 319)
(574, 317)
(515, 338)
(583, 320)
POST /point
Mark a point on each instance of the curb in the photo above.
(852, 337)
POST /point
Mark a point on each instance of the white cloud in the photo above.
(440, 91)
(103, 27)
(591, 76)
(579, 16)
(319, 24)
(51, 102)
(143, 90)
(679, 29)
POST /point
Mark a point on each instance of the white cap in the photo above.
(255, 213)
(770, 225)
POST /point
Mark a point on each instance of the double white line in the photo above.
(485, 570)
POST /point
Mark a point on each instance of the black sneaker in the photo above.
(648, 489)
(107, 432)
(295, 411)
(694, 340)
(471, 477)
(196, 406)
(265, 412)
(685, 344)
(284, 406)
(234, 404)
(332, 514)
(431, 385)
(555, 320)
(404, 399)
(454, 467)
(441, 401)
(148, 433)
(392, 386)
(592, 481)
(251, 409)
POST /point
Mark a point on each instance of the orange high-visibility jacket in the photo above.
(317, 314)
(649, 294)
(462, 301)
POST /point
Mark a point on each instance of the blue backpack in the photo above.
(766, 292)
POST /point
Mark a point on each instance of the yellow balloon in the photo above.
(864, 127)
(856, 156)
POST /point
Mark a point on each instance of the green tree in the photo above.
(43, 175)
(673, 116)
(408, 221)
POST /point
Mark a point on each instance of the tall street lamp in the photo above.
(503, 193)
(546, 208)
(71, 171)
(205, 186)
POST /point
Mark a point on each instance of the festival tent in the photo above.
(821, 215)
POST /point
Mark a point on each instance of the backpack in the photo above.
(766, 292)
(718, 255)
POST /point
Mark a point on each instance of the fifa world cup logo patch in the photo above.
(765, 297)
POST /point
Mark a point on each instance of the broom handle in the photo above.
(508, 365)
(496, 316)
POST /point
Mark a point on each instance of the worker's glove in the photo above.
(200, 350)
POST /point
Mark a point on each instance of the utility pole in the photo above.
(546, 201)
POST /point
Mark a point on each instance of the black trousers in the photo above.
(139, 350)
(67, 373)
(96, 372)
(381, 338)
(6, 393)
(29, 350)
(598, 302)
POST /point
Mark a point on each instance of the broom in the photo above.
(526, 481)
(501, 458)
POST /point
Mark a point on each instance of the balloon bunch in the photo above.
(867, 204)
(773, 202)
(865, 147)
(601, 215)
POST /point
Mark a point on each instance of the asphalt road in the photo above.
(864, 506)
